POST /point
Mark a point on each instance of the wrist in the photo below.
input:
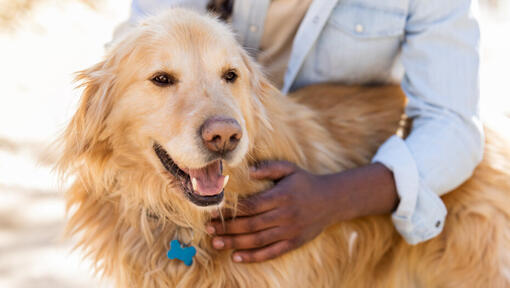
(364, 191)
(338, 201)
(384, 189)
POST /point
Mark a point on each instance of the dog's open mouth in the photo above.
(203, 186)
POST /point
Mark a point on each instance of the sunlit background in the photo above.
(42, 42)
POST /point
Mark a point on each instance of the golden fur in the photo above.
(125, 208)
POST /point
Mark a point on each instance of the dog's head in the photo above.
(177, 97)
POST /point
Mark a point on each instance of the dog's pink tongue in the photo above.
(207, 181)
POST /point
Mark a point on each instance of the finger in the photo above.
(224, 214)
(259, 203)
(245, 225)
(249, 241)
(254, 204)
(272, 170)
(267, 253)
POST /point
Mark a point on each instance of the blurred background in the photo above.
(42, 42)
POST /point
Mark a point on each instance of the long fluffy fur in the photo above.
(323, 129)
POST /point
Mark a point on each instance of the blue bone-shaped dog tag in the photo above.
(185, 254)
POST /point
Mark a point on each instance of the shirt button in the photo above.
(438, 223)
(359, 28)
(253, 28)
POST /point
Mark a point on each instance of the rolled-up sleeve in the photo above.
(441, 61)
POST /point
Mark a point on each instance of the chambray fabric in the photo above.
(429, 46)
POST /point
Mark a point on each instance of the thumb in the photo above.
(272, 170)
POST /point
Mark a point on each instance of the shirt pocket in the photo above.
(363, 21)
(359, 43)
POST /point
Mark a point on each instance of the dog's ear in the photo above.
(263, 92)
(87, 126)
(259, 83)
(87, 133)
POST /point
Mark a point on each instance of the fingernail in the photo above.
(210, 229)
(214, 214)
(218, 243)
(237, 258)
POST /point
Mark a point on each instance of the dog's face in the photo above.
(184, 101)
(176, 92)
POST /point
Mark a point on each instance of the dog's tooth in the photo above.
(225, 181)
(194, 183)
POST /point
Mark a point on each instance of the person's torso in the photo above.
(359, 43)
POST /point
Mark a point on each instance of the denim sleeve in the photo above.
(441, 60)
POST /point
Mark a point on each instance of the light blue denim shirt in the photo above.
(430, 46)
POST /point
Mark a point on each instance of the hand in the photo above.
(278, 220)
(299, 207)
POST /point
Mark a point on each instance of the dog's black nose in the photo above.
(221, 134)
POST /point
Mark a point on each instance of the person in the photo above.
(429, 46)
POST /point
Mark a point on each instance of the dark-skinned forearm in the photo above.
(370, 190)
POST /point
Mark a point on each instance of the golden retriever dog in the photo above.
(169, 123)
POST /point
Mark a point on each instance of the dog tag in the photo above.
(185, 254)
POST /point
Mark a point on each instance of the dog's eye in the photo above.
(230, 76)
(163, 79)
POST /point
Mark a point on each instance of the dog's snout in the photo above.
(221, 134)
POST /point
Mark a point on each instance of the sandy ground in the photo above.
(41, 46)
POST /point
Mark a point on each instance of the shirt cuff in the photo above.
(421, 213)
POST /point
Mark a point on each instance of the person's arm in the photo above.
(441, 59)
